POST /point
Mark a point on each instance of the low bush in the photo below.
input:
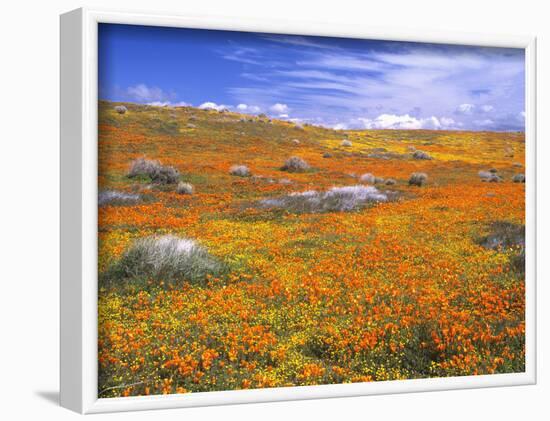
(489, 177)
(295, 164)
(108, 197)
(239, 171)
(418, 179)
(185, 188)
(421, 155)
(167, 258)
(153, 169)
(336, 199)
(518, 178)
(367, 178)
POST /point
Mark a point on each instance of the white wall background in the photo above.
(29, 208)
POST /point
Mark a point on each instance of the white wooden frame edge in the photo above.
(78, 156)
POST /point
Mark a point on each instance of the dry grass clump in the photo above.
(518, 178)
(121, 109)
(191, 126)
(367, 178)
(159, 174)
(295, 164)
(418, 179)
(346, 143)
(489, 177)
(239, 171)
(167, 258)
(107, 197)
(327, 155)
(296, 141)
(336, 199)
(421, 155)
(185, 188)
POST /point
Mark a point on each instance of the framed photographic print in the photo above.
(262, 211)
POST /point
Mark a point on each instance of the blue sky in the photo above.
(335, 82)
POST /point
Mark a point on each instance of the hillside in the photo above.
(320, 275)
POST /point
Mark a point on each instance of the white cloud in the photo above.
(484, 123)
(465, 108)
(407, 122)
(279, 108)
(213, 106)
(447, 122)
(487, 108)
(521, 115)
(144, 93)
(283, 116)
(248, 108)
(403, 122)
(168, 104)
(340, 126)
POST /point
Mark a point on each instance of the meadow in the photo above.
(225, 263)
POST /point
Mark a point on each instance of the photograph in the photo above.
(279, 210)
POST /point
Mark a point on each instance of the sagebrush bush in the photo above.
(167, 258)
(367, 178)
(295, 164)
(379, 180)
(346, 143)
(418, 179)
(390, 182)
(185, 188)
(239, 171)
(153, 169)
(165, 175)
(327, 155)
(336, 199)
(487, 176)
(421, 155)
(113, 197)
(518, 178)
(142, 167)
(296, 141)
(121, 109)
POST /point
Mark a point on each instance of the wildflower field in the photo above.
(240, 252)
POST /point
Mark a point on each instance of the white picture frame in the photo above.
(79, 96)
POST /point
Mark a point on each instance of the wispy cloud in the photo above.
(339, 84)
(144, 93)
